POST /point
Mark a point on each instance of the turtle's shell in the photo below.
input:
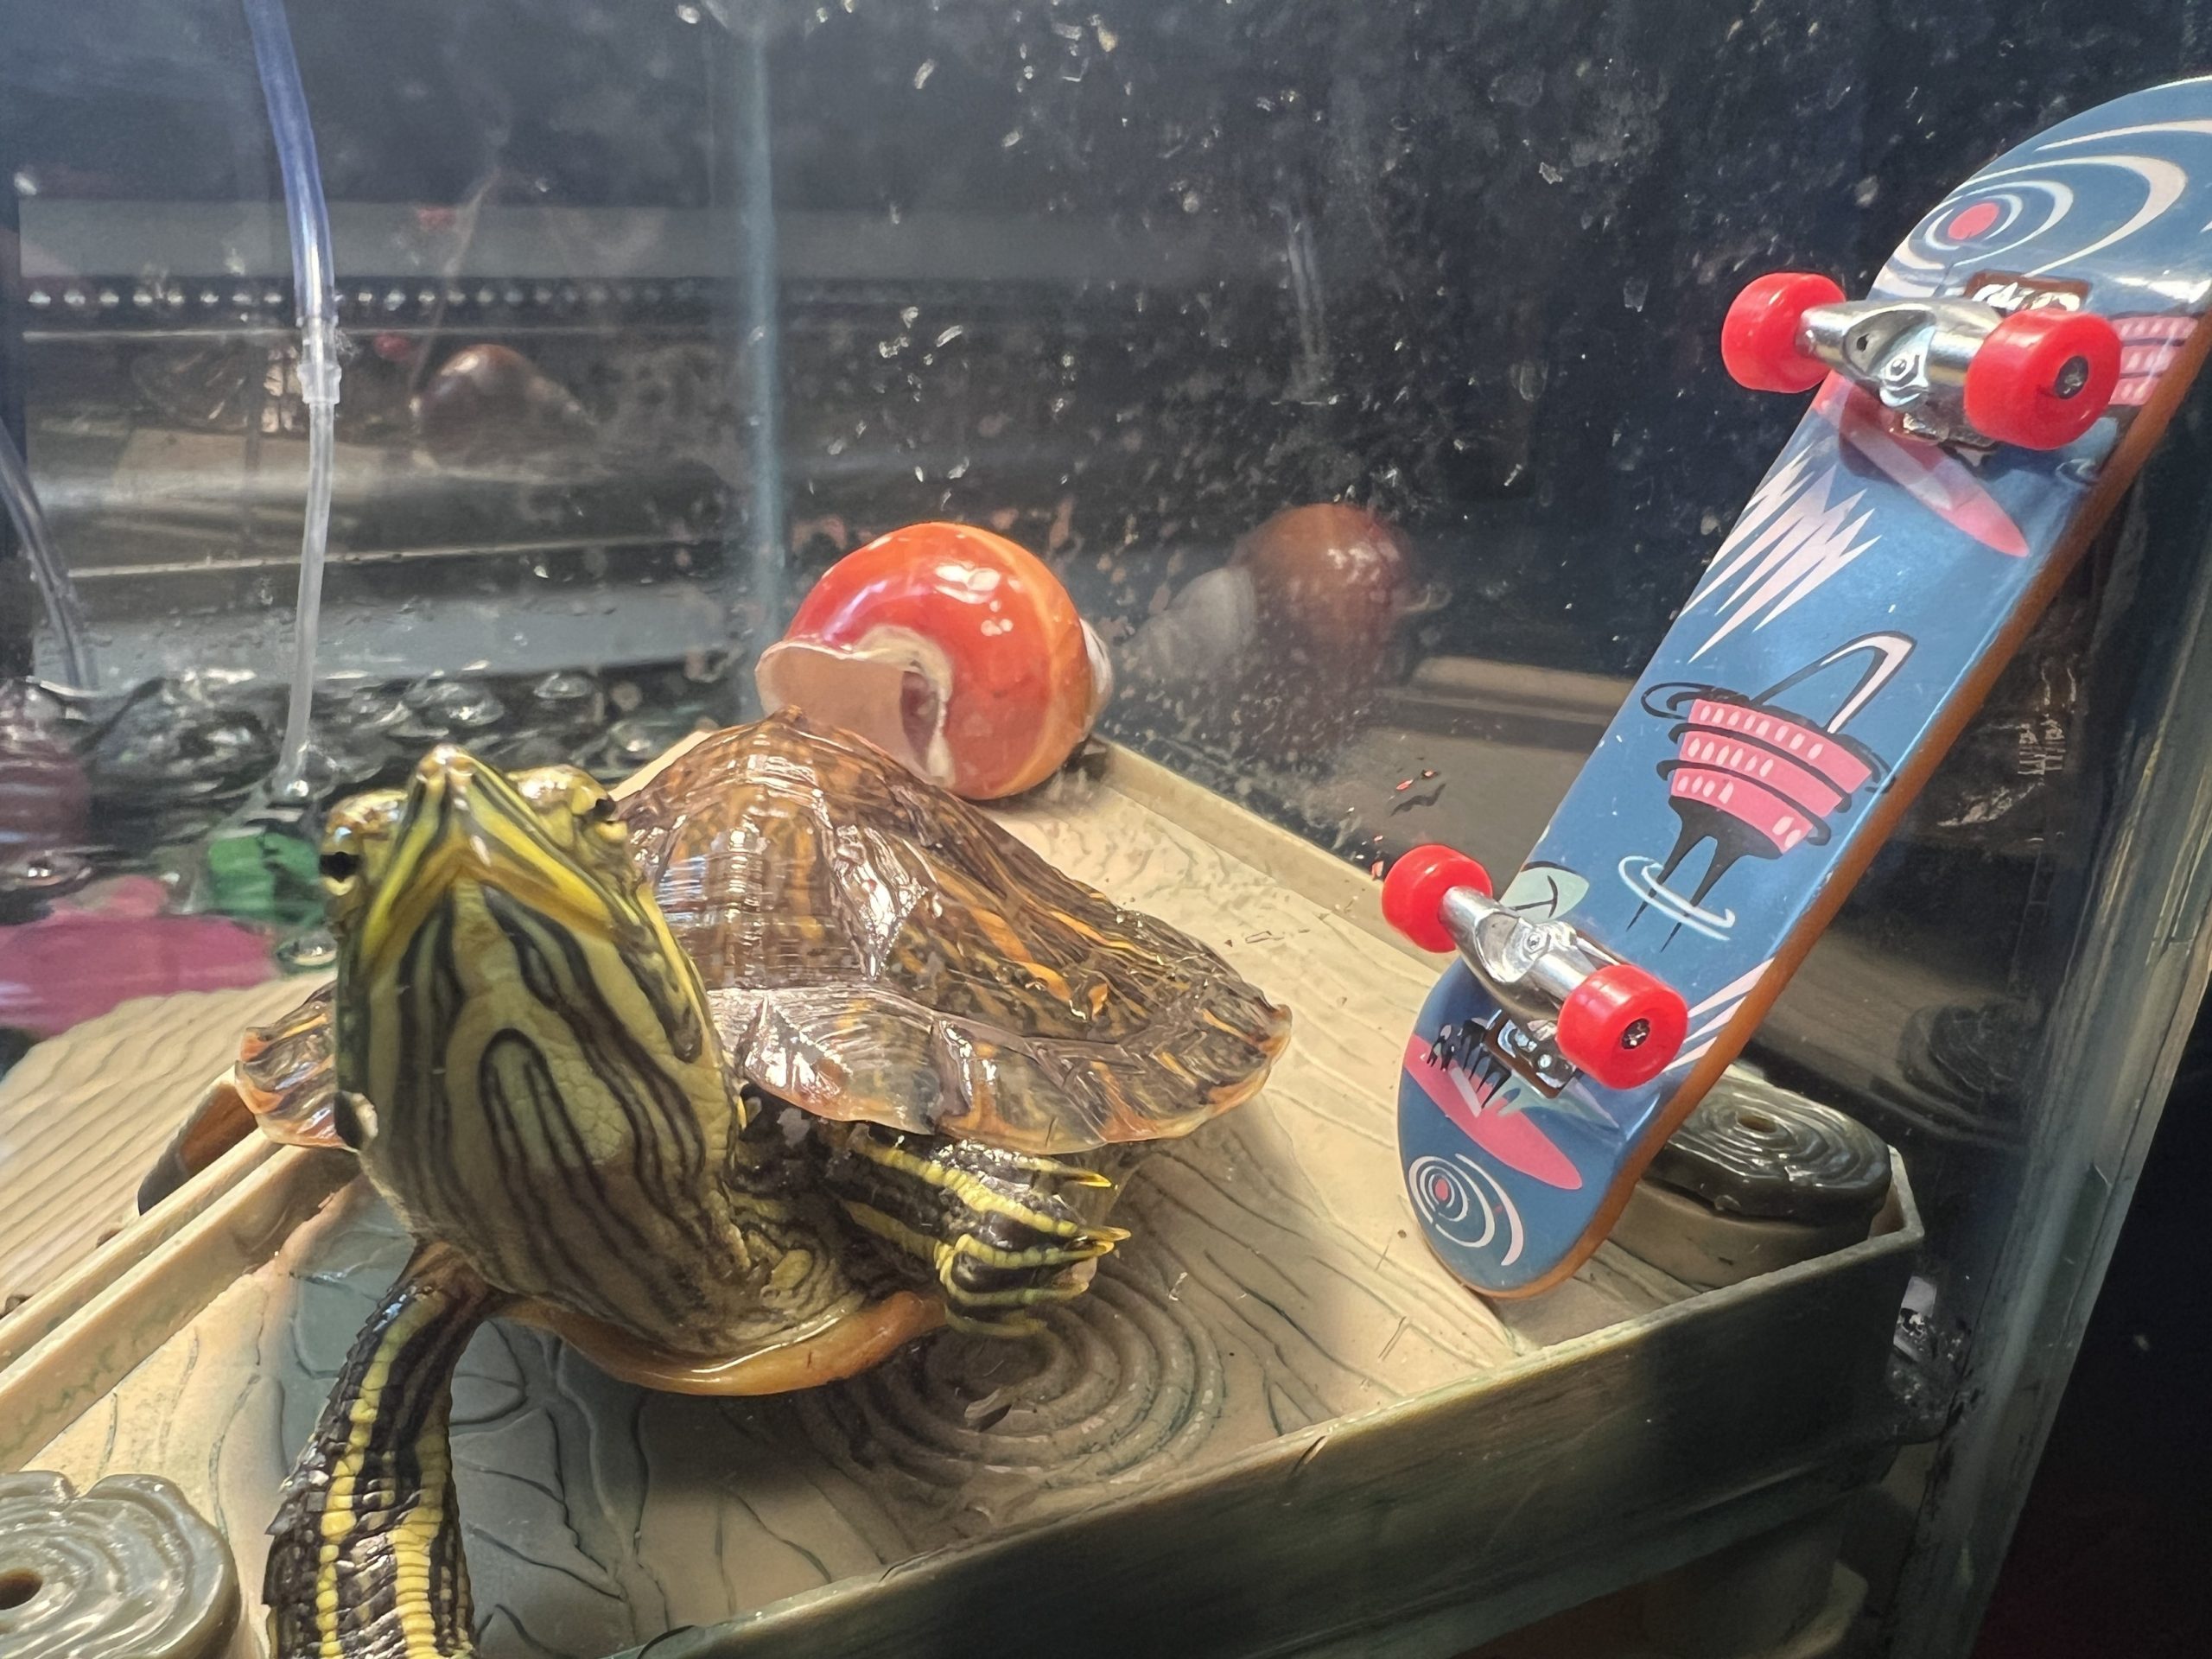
(875, 948)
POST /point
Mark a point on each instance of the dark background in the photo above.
(1524, 221)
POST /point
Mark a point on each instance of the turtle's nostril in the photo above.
(445, 770)
(446, 758)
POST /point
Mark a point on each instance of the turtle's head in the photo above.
(496, 935)
(554, 832)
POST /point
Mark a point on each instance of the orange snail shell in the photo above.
(1329, 580)
(951, 648)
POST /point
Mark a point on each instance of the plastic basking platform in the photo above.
(1276, 1425)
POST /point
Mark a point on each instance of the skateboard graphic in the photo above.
(1974, 421)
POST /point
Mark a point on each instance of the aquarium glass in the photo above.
(1353, 366)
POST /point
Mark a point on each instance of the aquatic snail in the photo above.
(961, 655)
(953, 649)
(1278, 653)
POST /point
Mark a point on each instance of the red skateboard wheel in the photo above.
(1621, 1025)
(1412, 893)
(1758, 338)
(2041, 379)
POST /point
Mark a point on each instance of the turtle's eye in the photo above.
(604, 817)
(339, 867)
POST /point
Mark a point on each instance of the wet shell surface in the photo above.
(876, 949)
(954, 650)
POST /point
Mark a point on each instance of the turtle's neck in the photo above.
(575, 1142)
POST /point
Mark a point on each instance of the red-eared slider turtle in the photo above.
(738, 1086)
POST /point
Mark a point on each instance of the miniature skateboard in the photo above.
(1974, 421)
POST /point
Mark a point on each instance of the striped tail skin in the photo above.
(365, 1557)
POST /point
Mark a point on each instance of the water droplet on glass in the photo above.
(314, 949)
(456, 705)
(565, 685)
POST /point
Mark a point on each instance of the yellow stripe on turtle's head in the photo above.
(545, 855)
(550, 839)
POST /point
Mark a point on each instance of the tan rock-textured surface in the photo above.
(1274, 1283)
(83, 1115)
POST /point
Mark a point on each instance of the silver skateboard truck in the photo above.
(1577, 1005)
(1967, 372)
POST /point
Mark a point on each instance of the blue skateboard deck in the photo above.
(1847, 627)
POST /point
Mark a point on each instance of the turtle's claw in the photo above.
(1059, 1169)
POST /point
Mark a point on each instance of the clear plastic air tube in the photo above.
(63, 611)
(316, 295)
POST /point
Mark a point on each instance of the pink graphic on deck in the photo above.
(1773, 773)
(1927, 471)
(1513, 1138)
(2148, 347)
(1752, 778)
(1971, 222)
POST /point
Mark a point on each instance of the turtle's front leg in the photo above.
(999, 1231)
(365, 1562)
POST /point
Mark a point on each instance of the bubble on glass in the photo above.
(308, 952)
(454, 706)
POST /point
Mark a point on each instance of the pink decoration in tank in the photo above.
(112, 943)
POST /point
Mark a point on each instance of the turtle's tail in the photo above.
(365, 1557)
(998, 1231)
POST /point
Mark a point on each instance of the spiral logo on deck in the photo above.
(1463, 1202)
(2061, 208)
